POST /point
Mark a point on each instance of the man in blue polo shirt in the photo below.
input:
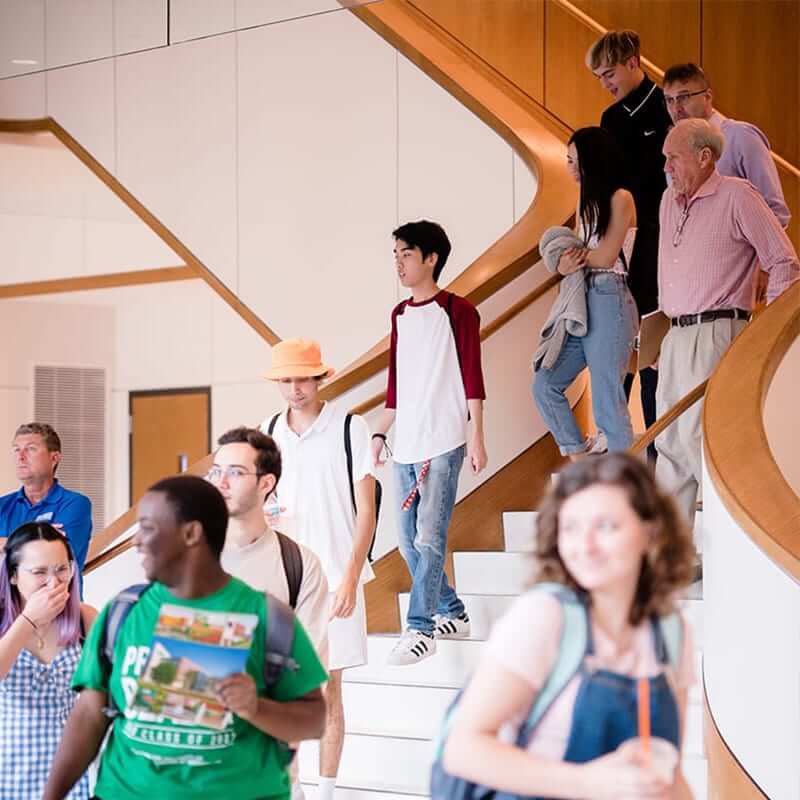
(37, 450)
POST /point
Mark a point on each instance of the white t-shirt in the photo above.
(260, 565)
(315, 490)
(525, 642)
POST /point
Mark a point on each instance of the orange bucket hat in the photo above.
(297, 358)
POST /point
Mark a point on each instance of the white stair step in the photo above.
(519, 530)
(353, 793)
(483, 609)
(394, 710)
(388, 763)
(492, 572)
(696, 772)
(450, 666)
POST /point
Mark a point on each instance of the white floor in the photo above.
(393, 713)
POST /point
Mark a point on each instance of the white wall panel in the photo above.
(34, 247)
(239, 353)
(23, 98)
(525, 187)
(453, 169)
(317, 178)
(177, 146)
(257, 12)
(81, 99)
(123, 247)
(16, 407)
(78, 30)
(191, 19)
(235, 404)
(139, 25)
(21, 36)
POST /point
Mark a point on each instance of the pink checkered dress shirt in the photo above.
(710, 247)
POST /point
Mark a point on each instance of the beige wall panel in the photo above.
(78, 30)
(317, 180)
(23, 97)
(139, 24)
(176, 143)
(669, 29)
(242, 404)
(508, 34)
(751, 53)
(40, 248)
(21, 36)
(524, 187)
(191, 19)
(453, 169)
(16, 407)
(571, 92)
(81, 99)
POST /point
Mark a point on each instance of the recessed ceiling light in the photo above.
(24, 61)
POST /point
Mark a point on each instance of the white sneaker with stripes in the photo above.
(451, 627)
(413, 646)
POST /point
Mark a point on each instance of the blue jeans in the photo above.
(606, 349)
(423, 536)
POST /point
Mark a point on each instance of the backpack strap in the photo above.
(348, 452)
(292, 560)
(279, 641)
(272, 423)
(571, 651)
(668, 632)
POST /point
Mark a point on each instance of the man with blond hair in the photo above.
(638, 120)
(714, 231)
(327, 503)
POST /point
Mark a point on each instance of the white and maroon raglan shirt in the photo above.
(434, 368)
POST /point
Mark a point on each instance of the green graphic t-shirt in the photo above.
(151, 756)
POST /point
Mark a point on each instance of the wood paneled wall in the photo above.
(748, 47)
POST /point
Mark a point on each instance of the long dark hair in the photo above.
(602, 172)
(11, 602)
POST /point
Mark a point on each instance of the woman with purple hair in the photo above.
(42, 627)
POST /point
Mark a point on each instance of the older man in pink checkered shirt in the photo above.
(714, 232)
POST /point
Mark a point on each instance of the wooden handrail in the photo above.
(753, 488)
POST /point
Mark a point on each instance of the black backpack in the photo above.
(348, 451)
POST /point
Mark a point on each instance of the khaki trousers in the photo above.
(688, 356)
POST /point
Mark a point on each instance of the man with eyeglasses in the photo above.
(639, 122)
(714, 231)
(36, 449)
(321, 508)
(689, 95)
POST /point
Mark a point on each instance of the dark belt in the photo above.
(684, 320)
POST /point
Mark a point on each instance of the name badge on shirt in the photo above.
(46, 517)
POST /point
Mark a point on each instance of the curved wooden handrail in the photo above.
(753, 489)
(654, 70)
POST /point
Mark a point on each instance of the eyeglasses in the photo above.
(676, 239)
(680, 99)
(215, 474)
(63, 572)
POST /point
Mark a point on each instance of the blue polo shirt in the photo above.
(71, 509)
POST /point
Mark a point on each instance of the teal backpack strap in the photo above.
(572, 649)
(671, 626)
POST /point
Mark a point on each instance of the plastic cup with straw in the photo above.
(657, 754)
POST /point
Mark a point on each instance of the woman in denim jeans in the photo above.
(606, 222)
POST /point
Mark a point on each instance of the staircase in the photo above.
(393, 713)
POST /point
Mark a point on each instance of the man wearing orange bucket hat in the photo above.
(327, 503)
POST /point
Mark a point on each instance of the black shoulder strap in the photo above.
(272, 423)
(348, 451)
(279, 641)
(121, 606)
(292, 565)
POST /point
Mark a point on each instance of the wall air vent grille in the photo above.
(73, 401)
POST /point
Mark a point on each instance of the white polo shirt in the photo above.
(314, 487)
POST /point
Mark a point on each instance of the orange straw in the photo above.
(643, 704)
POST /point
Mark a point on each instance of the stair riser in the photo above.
(483, 610)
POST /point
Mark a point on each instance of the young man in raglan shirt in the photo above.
(182, 522)
(435, 400)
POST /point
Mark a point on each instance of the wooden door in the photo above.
(170, 430)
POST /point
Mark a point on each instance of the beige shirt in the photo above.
(259, 564)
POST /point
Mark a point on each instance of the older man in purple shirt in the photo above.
(688, 95)
(714, 232)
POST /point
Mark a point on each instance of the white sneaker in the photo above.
(597, 445)
(413, 646)
(451, 627)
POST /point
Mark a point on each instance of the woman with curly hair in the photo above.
(617, 550)
(42, 627)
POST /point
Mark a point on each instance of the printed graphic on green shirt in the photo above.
(157, 755)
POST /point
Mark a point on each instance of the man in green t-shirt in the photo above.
(182, 524)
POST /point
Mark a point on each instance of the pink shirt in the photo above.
(524, 642)
(726, 229)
